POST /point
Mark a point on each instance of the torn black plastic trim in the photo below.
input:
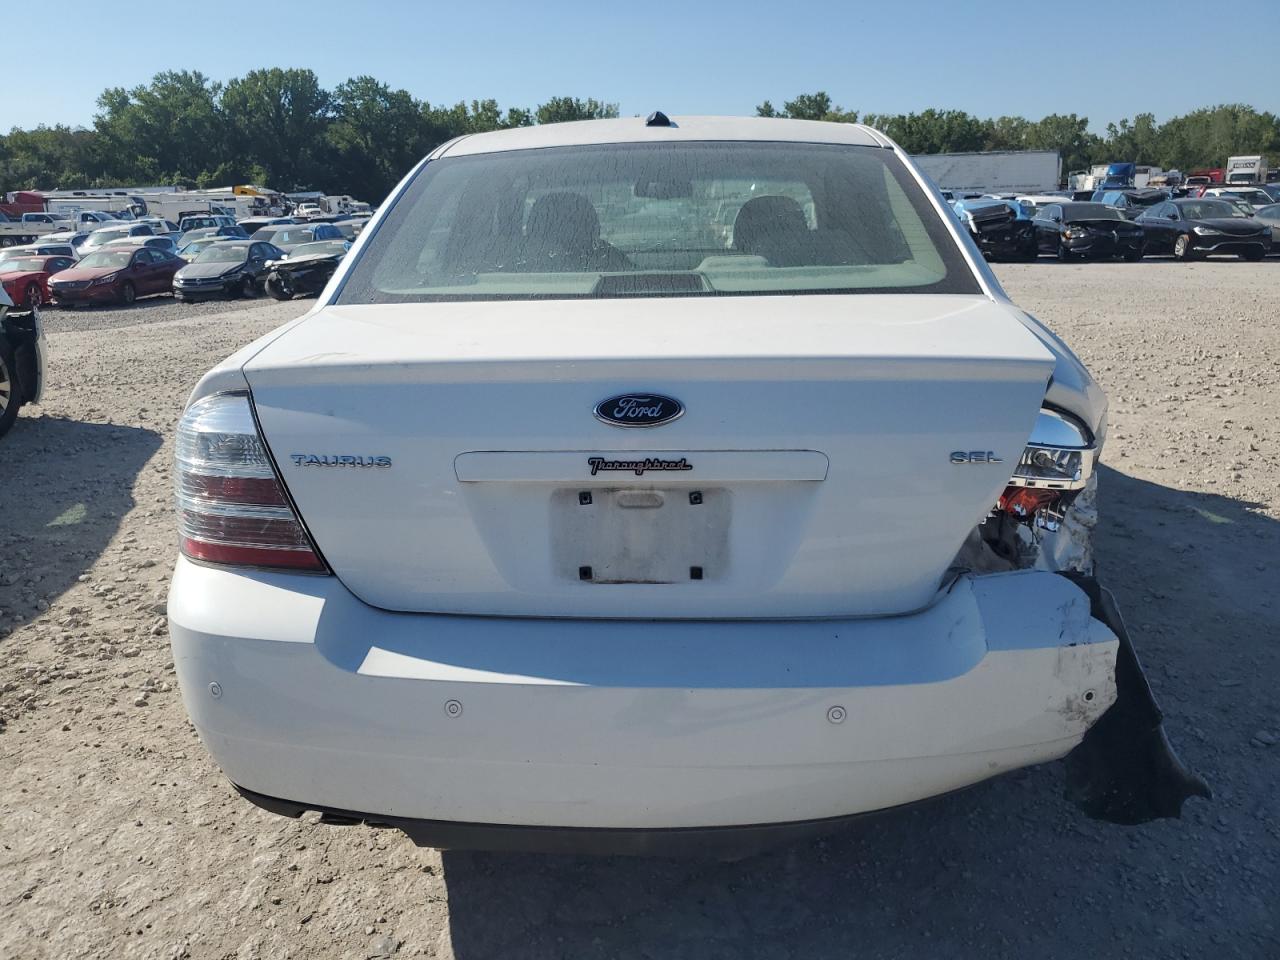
(1125, 770)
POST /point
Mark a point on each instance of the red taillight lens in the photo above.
(231, 507)
(1023, 502)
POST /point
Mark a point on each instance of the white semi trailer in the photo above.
(998, 171)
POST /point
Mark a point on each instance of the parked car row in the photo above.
(122, 262)
(1129, 229)
(224, 268)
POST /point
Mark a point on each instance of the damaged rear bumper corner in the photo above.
(1125, 770)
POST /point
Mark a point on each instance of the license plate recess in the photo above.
(639, 534)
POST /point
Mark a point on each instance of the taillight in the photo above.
(1053, 469)
(231, 506)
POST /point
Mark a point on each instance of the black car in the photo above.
(307, 269)
(998, 230)
(1191, 229)
(1269, 216)
(1087, 231)
(230, 268)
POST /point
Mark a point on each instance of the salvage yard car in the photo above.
(58, 249)
(252, 225)
(26, 279)
(1001, 228)
(232, 268)
(21, 359)
(233, 232)
(115, 275)
(307, 270)
(1270, 216)
(164, 243)
(1087, 231)
(528, 537)
(202, 221)
(1131, 203)
(1191, 229)
(104, 235)
(1253, 196)
(288, 236)
(189, 251)
(72, 238)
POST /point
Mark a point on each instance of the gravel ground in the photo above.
(122, 840)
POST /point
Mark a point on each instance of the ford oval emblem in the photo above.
(638, 410)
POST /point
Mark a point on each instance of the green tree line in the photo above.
(282, 128)
(1200, 139)
(272, 126)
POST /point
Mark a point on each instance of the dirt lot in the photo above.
(120, 838)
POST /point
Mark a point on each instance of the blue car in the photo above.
(1132, 201)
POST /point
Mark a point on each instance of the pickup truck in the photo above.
(18, 232)
(15, 232)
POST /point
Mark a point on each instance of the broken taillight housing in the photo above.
(1054, 467)
(232, 508)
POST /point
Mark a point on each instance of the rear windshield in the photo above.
(321, 248)
(107, 258)
(223, 253)
(1209, 210)
(25, 264)
(671, 219)
(279, 237)
(1090, 211)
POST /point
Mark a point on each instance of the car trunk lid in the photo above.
(445, 457)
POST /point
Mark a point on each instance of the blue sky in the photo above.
(1034, 57)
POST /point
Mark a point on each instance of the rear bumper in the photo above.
(303, 693)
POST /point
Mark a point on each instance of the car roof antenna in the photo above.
(658, 119)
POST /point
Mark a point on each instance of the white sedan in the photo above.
(566, 520)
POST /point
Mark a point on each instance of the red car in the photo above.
(118, 275)
(26, 279)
